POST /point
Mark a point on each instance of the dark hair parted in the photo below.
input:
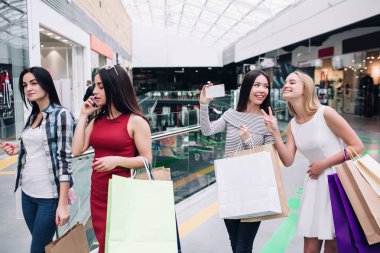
(44, 80)
(245, 91)
(119, 91)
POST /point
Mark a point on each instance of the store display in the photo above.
(6, 92)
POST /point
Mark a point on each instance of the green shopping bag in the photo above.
(140, 216)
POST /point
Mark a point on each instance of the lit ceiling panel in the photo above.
(213, 22)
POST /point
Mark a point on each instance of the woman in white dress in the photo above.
(319, 133)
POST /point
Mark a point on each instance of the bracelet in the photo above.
(345, 154)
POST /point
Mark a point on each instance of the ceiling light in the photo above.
(57, 37)
(42, 45)
(49, 33)
(64, 40)
(41, 29)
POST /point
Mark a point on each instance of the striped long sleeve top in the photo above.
(231, 121)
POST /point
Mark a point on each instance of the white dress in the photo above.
(315, 140)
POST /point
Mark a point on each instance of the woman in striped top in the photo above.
(244, 125)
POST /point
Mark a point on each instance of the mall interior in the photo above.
(170, 49)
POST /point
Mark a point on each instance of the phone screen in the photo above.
(215, 91)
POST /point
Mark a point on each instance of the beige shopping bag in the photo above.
(280, 185)
(73, 241)
(363, 199)
(368, 167)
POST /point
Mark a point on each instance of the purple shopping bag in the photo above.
(344, 237)
(353, 239)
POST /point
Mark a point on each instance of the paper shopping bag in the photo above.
(363, 199)
(140, 216)
(73, 241)
(160, 173)
(280, 185)
(350, 236)
(247, 186)
(368, 167)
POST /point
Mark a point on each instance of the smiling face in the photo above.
(259, 91)
(293, 87)
(99, 92)
(32, 90)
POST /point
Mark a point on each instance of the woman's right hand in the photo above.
(89, 106)
(202, 97)
(270, 121)
(9, 148)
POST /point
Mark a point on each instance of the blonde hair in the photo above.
(311, 100)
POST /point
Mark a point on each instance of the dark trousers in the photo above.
(39, 215)
(241, 235)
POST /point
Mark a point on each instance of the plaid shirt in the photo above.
(58, 125)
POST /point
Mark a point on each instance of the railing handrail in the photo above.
(154, 137)
(145, 99)
(171, 133)
(176, 132)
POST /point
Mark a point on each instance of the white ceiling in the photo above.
(213, 22)
(13, 27)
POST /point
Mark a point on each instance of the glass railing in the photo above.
(178, 144)
(190, 157)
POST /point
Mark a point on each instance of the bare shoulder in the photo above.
(138, 121)
(330, 114)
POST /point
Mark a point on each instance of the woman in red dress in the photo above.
(118, 131)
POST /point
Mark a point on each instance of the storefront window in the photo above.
(13, 59)
(63, 58)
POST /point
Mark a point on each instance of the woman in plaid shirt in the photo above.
(44, 161)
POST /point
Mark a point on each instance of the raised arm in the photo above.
(285, 151)
(83, 131)
(207, 127)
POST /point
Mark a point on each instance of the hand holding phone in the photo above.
(95, 104)
(215, 91)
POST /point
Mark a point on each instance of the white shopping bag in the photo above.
(247, 186)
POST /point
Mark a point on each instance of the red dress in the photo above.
(109, 137)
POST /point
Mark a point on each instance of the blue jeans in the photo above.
(241, 235)
(39, 215)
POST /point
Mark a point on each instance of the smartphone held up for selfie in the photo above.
(215, 91)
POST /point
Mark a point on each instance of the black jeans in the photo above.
(241, 235)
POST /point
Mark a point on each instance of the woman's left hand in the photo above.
(244, 133)
(105, 163)
(316, 169)
(62, 215)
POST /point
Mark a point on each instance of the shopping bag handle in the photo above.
(239, 148)
(352, 153)
(147, 168)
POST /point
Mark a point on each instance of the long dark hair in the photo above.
(44, 80)
(119, 91)
(245, 90)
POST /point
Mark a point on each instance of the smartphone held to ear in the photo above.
(215, 91)
(94, 101)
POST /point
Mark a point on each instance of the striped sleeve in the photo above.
(207, 127)
(268, 139)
